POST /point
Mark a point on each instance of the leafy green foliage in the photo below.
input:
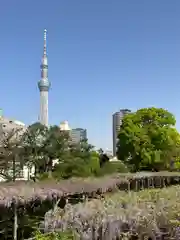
(71, 167)
(148, 139)
(33, 145)
(112, 167)
(41, 145)
(80, 161)
(54, 236)
(56, 143)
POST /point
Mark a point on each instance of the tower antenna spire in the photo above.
(45, 40)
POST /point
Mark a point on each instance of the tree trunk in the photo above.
(14, 204)
(15, 223)
(50, 168)
(14, 169)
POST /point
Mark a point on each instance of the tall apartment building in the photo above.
(117, 121)
(78, 134)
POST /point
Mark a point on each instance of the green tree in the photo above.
(56, 143)
(82, 149)
(80, 161)
(55, 147)
(42, 145)
(148, 139)
(33, 146)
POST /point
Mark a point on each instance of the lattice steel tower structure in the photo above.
(44, 85)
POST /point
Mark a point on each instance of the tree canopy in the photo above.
(148, 139)
(42, 145)
(52, 154)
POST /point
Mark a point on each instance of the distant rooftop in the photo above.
(11, 121)
(64, 126)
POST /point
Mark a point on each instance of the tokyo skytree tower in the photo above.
(44, 85)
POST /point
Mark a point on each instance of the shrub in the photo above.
(54, 236)
(77, 167)
(112, 167)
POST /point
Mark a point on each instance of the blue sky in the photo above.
(103, 55)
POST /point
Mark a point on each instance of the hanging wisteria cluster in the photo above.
(150, 213)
